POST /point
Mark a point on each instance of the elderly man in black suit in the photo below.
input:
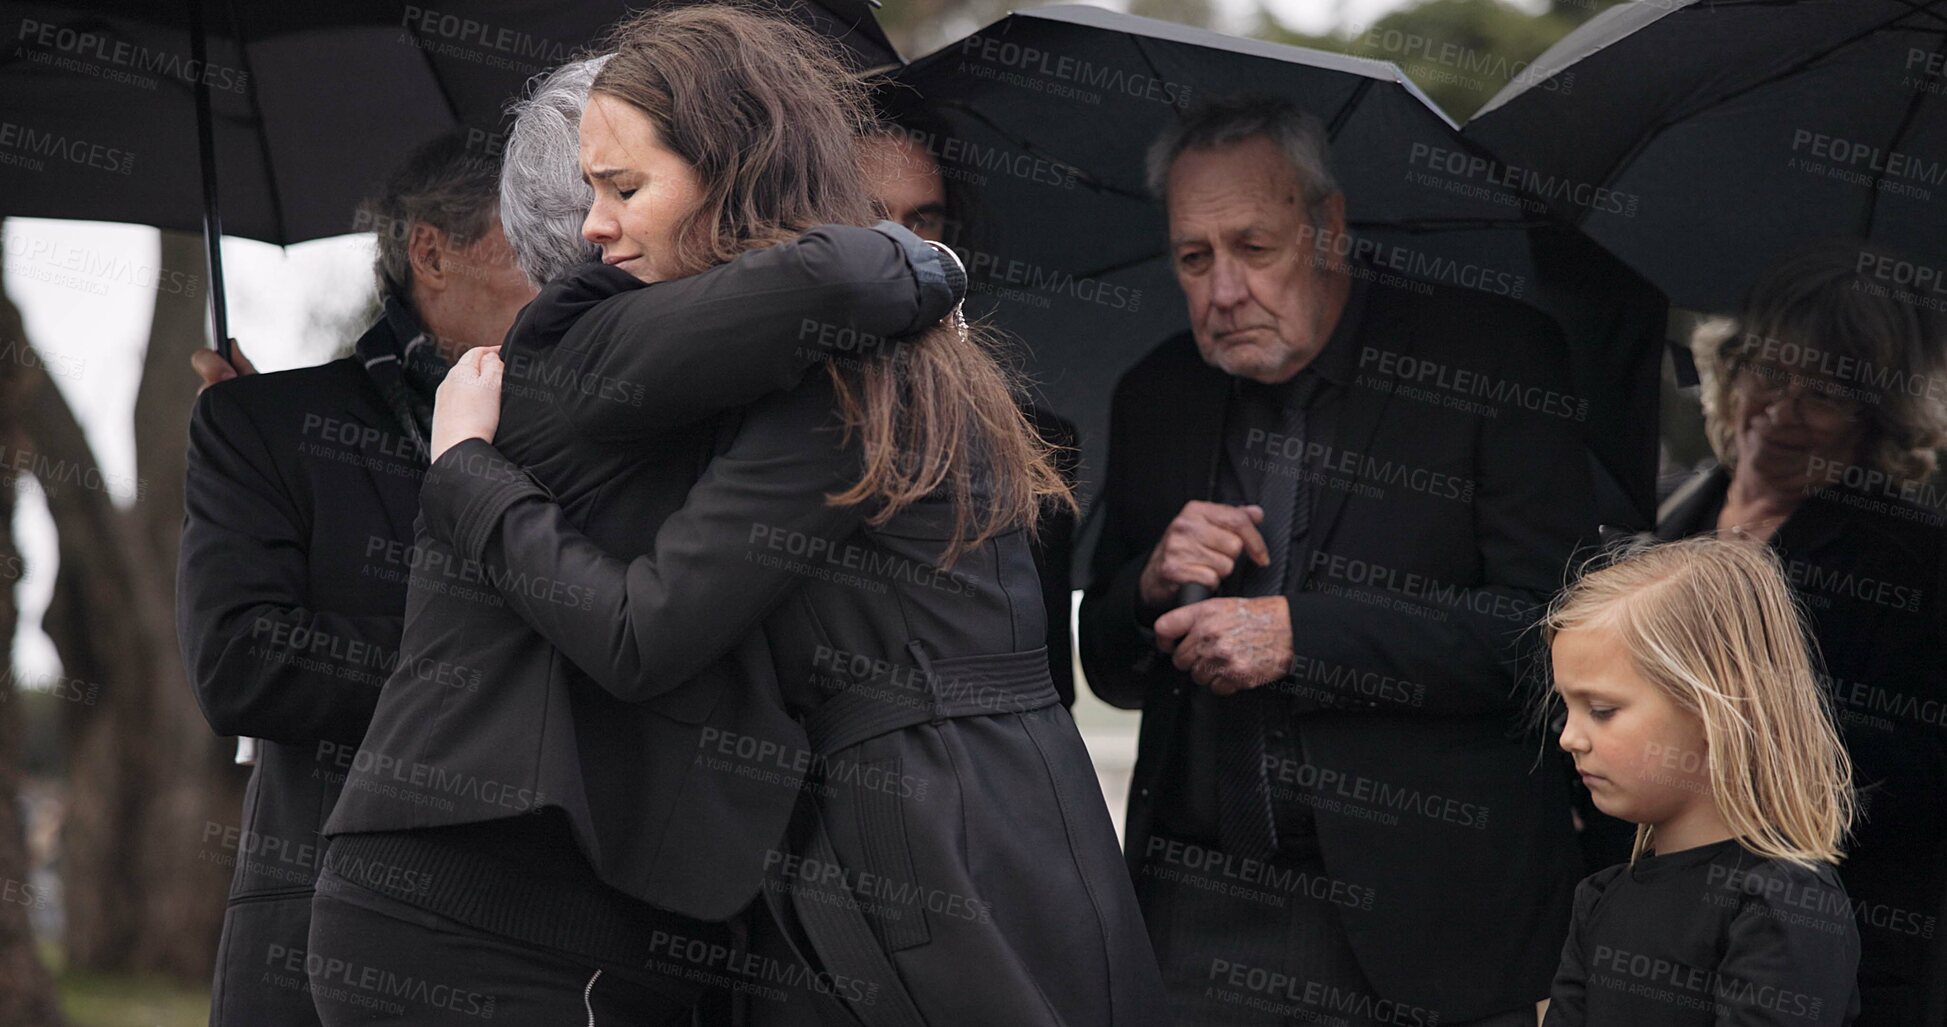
(1337, 812)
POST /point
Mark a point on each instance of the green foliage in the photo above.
(95, 1001)
(1460, 52)
(119, 1000)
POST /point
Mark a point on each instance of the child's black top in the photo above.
(1713, 937)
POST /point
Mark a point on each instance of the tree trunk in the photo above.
(148, 785)
(26, 990)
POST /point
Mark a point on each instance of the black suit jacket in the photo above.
(295, 480)
(1460, 490)
(606, 382)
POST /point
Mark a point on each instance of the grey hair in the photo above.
(444, 183)
(1212, 124)
(543, 200)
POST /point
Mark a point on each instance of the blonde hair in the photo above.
(1713, 624)
(1825, 305)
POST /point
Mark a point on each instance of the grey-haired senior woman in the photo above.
(1825, 403)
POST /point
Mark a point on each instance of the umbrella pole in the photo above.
(212, 212)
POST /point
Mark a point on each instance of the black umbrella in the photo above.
(1043, 121)
(135, 110)
(1699, 141)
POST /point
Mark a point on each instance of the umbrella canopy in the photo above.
(1699, 141)
(1042, 123)
(311, 102)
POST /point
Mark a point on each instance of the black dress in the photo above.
(1713, 937)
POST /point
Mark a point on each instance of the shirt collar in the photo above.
(1336, 363)
(1340, 357)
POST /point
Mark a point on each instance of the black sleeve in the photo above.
(1119, 655)
(718, 565)
(261, 663)
(1784, 963)
(1054, 549)
(1533, 503)
(1568, 996)
(680, 350)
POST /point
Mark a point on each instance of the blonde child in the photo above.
(1693, 712)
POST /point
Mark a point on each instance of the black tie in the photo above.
(1245, 822)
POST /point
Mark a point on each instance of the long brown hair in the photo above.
(770, 117)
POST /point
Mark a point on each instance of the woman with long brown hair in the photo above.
(949, 858)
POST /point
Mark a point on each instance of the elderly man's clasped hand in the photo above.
(1227, 645)
(1230, 644)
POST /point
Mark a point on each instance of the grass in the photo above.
(91, 1001)
(116, 1000)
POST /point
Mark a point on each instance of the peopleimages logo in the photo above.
(1460, 165)
(71, 49)
(1414, 46)
(1051, 67)
(28, 140)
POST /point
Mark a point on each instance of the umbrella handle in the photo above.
(212, 212)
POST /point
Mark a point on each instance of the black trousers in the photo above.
(376, 960)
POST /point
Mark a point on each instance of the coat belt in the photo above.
(960, 686)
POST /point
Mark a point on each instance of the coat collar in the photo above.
(546, 318)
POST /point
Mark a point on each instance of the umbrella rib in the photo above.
(1346, 109)
(263, 126)
(1893, 146)
(1671, 120)
(1154, 71)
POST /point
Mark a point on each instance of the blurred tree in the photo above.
(1579, 10)
(26, 989)
(1200, 13)
(146, 781)
(1459, 52)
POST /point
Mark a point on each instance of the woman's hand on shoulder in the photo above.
(468, 403)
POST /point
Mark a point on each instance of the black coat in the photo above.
(1869, 570)
(299, 484)
(607, 393)
(995, 812)
(1408, 619)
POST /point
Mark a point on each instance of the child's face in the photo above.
(1641, 756)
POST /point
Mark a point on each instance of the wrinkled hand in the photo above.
(468, 403)
(212, 368)
(1202, 546)
(1229, 644)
